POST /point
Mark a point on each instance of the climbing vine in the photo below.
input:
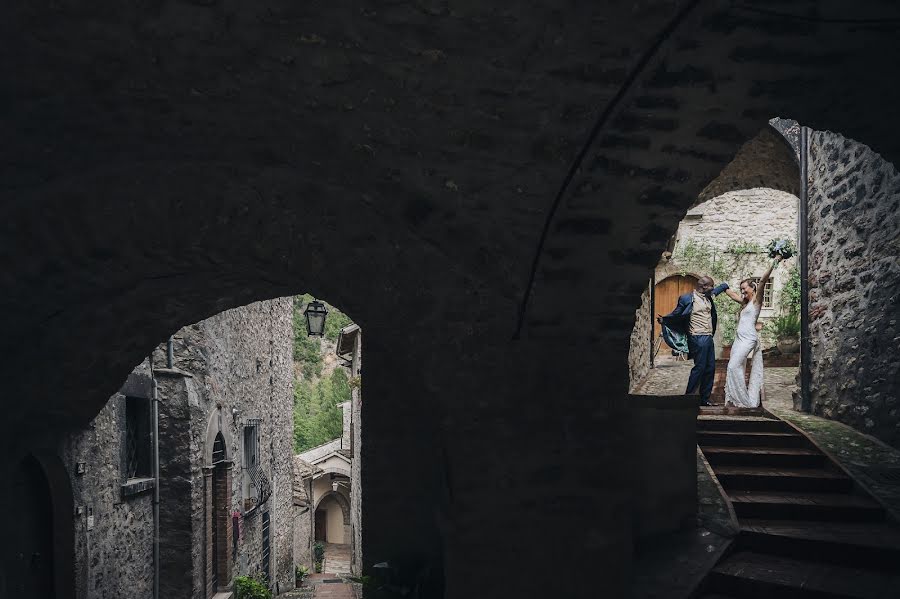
(698, 257)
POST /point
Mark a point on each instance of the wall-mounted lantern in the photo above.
(315, 318)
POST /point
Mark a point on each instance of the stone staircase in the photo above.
(806, 529)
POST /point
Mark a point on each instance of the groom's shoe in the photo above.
(704, 402)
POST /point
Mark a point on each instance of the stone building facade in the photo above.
(854, 307)
(113, 519)
(332, 471)
(226, 474)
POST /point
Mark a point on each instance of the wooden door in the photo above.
(666, 297)
(321, 532)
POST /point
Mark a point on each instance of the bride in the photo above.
(737, 393)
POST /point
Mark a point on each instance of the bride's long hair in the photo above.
(752, 284)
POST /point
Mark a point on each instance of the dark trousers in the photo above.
(704, 371)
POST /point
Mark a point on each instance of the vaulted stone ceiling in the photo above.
(166, 160)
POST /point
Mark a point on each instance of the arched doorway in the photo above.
(666, 294)
(332, 519)
(32, 570)
(220, 516)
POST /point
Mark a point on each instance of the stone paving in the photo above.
(336, 567)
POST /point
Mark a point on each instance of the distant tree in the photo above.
(317, 417)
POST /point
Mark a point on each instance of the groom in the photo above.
(695, 316)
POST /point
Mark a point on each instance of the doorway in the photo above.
(32, 570)
(321, 523)
(666, 294)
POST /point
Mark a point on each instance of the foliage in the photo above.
(318, 566)
(786, 326)
(319, 551)
(335, 321)
(248, 587)
(700, 257)
(740, 248)
(789, 302)
(301, 572)
(317, 417)
(727, 311)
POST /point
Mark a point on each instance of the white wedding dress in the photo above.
(737, 393)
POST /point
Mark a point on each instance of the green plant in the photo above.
(318, 566)
(727, 311)
(300, 573)
(319, 551)
(699, 257)
(249, 587)
(789, 300)
(786, 326)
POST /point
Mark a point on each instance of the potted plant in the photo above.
(300, 574)
(318, 556)
(786, 330)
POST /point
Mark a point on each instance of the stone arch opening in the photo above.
(43, 562)
(189, 201)
(332, 519)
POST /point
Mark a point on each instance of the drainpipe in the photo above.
(652, 321)
(803, 213)
(154, 406)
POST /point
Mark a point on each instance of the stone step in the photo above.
(805, 506)
(764, 478)
(750, 438)
(747, 574)
(872, 546)
(779, 457)
(748, 423)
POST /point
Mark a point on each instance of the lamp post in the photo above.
(315, 318)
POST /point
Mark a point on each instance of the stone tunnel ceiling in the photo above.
(164, 161)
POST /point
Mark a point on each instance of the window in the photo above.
(137, 438)
(767, 293)
(256, 485)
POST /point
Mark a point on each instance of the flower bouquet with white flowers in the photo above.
(783, 248)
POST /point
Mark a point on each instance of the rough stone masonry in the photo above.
(854, 285)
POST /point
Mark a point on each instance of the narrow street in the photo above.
(331, 583)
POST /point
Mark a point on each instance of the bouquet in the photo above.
(781, 247)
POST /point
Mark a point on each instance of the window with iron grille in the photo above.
(137, 462)
(257, 488)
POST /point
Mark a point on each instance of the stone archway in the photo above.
(341, 500)
(227, 159)
(43, 560)
(217, 475)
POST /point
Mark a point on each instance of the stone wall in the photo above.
(113, 532)
(240, 360)
(854, 241)
(641, 345)
(767, 160)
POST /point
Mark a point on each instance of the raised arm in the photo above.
(734, 295)
(761, 287)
